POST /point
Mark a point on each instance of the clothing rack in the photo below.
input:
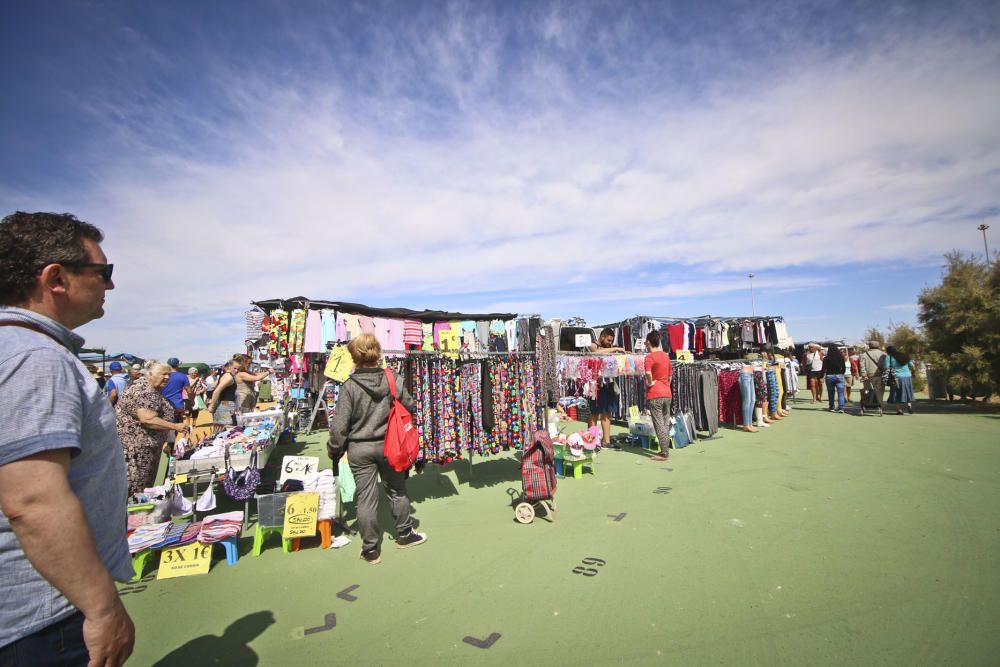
(460, 353)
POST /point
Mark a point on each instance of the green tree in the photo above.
(961, 321)
(873, 333)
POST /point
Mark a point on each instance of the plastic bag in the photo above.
(346, 483)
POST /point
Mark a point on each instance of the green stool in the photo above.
(139, 563)
(577, 466)
(260, 534)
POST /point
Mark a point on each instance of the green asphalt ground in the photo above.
(823, 540)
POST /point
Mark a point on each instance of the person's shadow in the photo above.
(229, 649)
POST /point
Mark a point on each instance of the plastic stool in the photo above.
(577, 467)
(325, 532)
(325, 527)
(139, 561)
(260, 534)
(232, 553)
(650, 442)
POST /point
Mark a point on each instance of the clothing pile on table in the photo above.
(146, 536)
(218, 527)
(238, 440)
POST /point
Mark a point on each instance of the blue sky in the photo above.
(570, 159)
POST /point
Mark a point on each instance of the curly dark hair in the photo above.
(30, 241)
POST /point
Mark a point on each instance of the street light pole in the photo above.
(983, 228)
(753, 302)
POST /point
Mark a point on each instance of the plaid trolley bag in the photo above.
(538, 477)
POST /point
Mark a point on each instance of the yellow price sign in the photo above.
(180, 479)
(301, 512)
(194, 558)
(685, 355)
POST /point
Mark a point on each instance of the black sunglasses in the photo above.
(105, 269)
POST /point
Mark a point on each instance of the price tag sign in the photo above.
(297, 467)
(180, 479)
(301, 512)
(685, 355)
(583, 340)
(194, 558)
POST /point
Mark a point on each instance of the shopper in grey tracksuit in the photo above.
(358, 427)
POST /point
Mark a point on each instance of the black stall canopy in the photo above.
(429, 316)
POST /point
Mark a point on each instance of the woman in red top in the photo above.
(658, 372)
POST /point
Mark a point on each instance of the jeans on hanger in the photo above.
(748, 397)
(838, 382)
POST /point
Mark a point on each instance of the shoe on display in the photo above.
(413, 539)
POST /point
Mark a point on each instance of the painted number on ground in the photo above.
(589, 566)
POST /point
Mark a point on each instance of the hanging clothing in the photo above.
(328, 333)
(314, 333)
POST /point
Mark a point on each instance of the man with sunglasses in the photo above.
(62, 471)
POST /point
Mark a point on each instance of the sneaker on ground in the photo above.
(373, 557)
(411, 540)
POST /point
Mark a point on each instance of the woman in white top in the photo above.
(814, 371)
(848, 377)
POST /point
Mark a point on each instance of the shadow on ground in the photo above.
(229, 649)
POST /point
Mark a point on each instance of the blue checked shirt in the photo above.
(48, 400)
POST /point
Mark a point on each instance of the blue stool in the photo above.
(650, 442)
(232, 553)
(559, 467)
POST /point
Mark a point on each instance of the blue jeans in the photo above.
(748, 397)
(838, 382)
(55, 646)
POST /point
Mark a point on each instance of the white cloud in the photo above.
(901, 306)
(879, 156)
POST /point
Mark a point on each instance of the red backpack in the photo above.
(401, 443)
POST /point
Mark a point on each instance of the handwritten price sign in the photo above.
(301, 512)
(184, 561)
(297, 467)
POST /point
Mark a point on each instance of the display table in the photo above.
(205, 467)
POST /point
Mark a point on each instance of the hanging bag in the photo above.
(401, 443)
(241, 486)
(206, 503)
(179, 505)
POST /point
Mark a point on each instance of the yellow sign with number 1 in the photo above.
(194, 558)
(301, 511)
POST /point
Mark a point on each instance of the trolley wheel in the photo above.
(524, 513)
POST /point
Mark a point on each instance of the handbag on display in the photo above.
(242, 485)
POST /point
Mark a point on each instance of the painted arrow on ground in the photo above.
(346, 593)
(330, 624)
(483, 643)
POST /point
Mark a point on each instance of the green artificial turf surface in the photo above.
(823, 540)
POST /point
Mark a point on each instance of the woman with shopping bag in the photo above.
(358, 428)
